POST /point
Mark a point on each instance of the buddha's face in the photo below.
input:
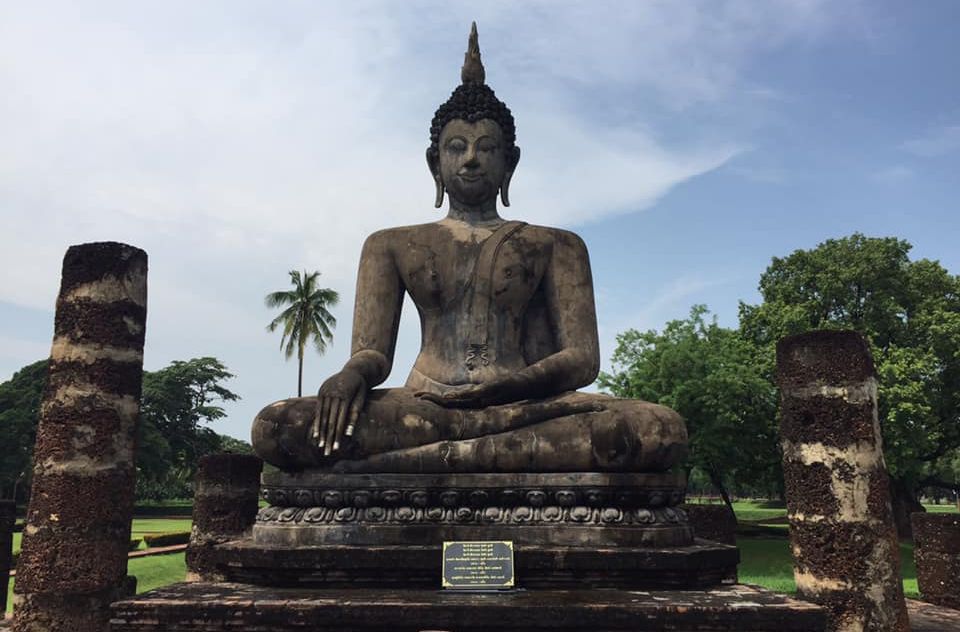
(473, 160)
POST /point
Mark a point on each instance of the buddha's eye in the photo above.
(487, 145)
(457, 145)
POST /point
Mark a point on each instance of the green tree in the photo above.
(305, 318)
(718, 382)
(235, 446)
(19, 411)
(910, 313)
(177, 400)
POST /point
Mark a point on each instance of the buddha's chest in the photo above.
(441, 273)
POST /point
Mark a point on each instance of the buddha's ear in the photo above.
(433, 163)
(513, 157)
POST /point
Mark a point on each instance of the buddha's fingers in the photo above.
(335, 407)
(341, 423)
(315, 424)
(324, 416)
(430, 397)
(355, 407)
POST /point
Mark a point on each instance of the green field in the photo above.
(765, 559)
(151, 572)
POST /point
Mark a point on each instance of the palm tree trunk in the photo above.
(300, 371)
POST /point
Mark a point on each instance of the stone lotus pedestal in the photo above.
(363, 552)
(387, 530)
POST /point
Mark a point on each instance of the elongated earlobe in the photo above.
(433, 163)
(512, 161)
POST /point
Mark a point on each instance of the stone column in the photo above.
(8, 511)
(936, 539)
(73, 559)
(842, 534)
(712, 522)
(225, 501)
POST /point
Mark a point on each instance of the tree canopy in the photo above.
(909, 311)
(19, 410)
(718, 381)
(306, 317)
(177, 402)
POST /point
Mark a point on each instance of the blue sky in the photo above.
(687, 142)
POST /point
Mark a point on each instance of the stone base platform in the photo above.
(201, 607)
(319, 508)
(699, 565)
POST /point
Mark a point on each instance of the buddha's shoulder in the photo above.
(403, 235)
(552, 235)
(395, 235)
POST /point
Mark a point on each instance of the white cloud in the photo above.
(236, 140)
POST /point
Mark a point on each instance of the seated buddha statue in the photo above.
(509, 333)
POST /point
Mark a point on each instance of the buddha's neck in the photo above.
(480, 214)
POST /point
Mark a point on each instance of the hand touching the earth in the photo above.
(339, 402)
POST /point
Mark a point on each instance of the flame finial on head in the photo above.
(472, 71)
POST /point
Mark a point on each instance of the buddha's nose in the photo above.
(470, 160)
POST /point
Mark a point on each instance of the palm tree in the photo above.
(305, 317)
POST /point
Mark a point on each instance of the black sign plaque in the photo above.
(478, 565)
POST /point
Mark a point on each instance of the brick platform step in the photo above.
(198, 607)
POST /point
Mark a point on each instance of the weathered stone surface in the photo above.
(927, 617)
(844, 543)
(226, 492)
(74, 551)
(712, 522)
(200, 607)
(936, 531)
(828, 357)
(69, 612)
(569, 509)
(831, 421)
(566, 489)
(699, 565)
(937, 556)
(7, 518)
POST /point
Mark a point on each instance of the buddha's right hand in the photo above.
(339, 402)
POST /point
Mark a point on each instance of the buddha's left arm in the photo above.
(568, 288)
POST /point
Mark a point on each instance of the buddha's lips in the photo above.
(470, 178)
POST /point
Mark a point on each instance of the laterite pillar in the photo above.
(936, 539)
(225, 501)
(838, 494)
(73, 559)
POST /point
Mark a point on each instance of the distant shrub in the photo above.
(167, 539)
(141, 511)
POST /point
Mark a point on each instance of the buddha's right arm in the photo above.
(376, 318)
(376, 313)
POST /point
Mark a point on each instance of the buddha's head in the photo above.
(472, 152)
